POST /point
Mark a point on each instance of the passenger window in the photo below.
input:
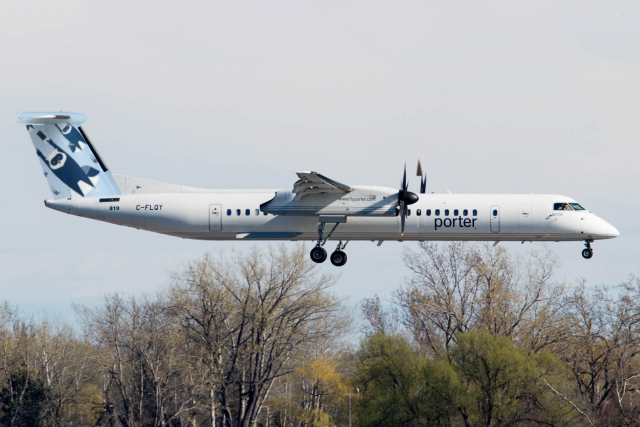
(495, 212)
(264, 213)
(228, 212)
(475, 212)
(465, 212)
(238, 212)
(437, 212)
(446, 212)
(428, 213)
(247, 212)
(257, 212)
(408, 212)
(419, 212)
(455, 212)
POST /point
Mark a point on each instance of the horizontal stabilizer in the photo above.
(53, 118)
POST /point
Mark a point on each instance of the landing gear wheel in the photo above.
(587, 253)
(318, 254)
(338, 258)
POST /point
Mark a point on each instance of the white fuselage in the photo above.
(232, 215)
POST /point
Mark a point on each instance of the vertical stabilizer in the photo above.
(71, 164)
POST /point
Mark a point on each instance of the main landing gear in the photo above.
(588, 252)
(339, 258)
(319, 254)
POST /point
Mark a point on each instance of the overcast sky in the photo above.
(493, 97)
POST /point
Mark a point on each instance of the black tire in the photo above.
(338, 258)
(318, 255)
(587, 253)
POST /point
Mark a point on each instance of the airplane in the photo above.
(316, 209)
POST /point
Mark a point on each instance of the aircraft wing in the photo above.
(313, 183)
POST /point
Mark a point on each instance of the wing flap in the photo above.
(313, 183)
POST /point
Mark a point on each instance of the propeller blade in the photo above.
(404, 179)
(423, 178)
(405, 198)
(403, 216)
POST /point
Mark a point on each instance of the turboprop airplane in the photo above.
(317, 208)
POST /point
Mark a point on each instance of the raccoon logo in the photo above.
(80, 179)
(56, 159)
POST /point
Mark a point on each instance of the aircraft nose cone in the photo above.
(612, 231)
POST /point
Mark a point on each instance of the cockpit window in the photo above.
(576, 207)
(562, 207)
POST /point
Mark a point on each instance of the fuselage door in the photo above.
(495, 219)
(215, 217)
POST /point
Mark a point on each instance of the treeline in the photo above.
(477, 337)
(236, 341)
(473, 336)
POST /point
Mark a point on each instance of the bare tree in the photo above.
(439, 298)
(43, 372)
(604, 351)
(459, 287)
(62, 361)
(378, 319)
(520, 299)
(106, 328)
(143, 358)
(253, 316)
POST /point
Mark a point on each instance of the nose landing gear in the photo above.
(588, 252)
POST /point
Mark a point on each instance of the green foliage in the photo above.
(22, 406)
(484, 381)
(321, 388)
(504, 384)
(398, 387)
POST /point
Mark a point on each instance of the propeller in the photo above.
(423, 179)
(405, 198)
